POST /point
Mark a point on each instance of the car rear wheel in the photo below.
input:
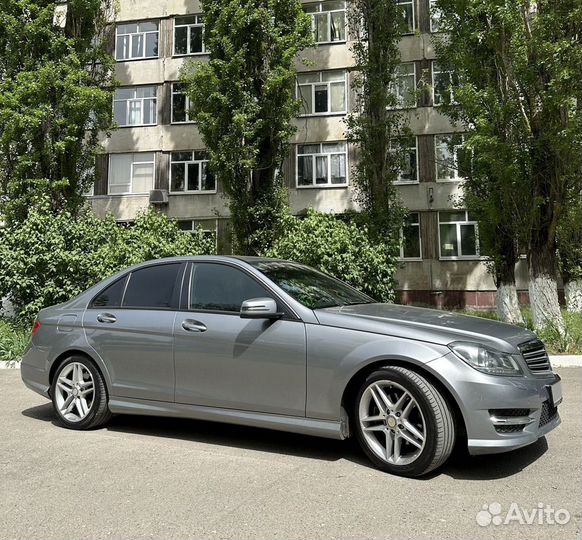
(403, 423)
(79, 395)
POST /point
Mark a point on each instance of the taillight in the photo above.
(35, 327)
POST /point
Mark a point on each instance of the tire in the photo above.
(414, 412)
(78, 379)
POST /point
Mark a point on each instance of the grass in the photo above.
(569, 343)
(14, 338)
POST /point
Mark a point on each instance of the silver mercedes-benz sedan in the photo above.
(279, 345)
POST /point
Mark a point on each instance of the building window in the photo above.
(322, 92)
(131, 173)
(435, 16)
(189, 35)
(328, 20)
(443, 84)
(407, 7)
(189, 173)
(408, 173)
(322, 164)
(410, 237)
(135, 106)
(134, 41)
(404, 85)
(180, 105)
(207, 226)
(458, 235)
(453, 160)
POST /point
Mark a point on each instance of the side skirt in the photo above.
(293, 424)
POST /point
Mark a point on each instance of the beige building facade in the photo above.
(156, 157)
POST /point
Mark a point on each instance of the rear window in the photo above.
(151, 287)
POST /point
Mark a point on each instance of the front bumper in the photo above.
(500, 413)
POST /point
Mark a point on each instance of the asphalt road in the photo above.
(159, 478)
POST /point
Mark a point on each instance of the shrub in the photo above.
(342, 249)
(49, 258)
(13, 340)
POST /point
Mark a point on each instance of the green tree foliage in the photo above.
(375, 127)
(518, 63)
(342, 249)
(48, 258)
(55, 97)
(243, 99)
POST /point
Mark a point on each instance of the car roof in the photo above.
(244, 258)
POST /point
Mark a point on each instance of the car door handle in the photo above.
(106, 318)
(191, 325)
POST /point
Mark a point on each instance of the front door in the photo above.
(130, 325)
(224, 361)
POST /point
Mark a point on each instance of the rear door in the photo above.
(130, 325)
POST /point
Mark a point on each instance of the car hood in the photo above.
(422, 324)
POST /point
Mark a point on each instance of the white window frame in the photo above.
(415, 224)
(456, 148)
(138, 100)
(194, 226)
(328, 84)
(403, 182)
(200, 162)
(401, 102)
(329, 13)
(133, 163)
(433, 11)
(197, 24)
(451, 88)
(188, 106)
(412, 3)
(138, 35)
(327, 185)
(477, 255)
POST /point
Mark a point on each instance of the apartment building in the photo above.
(157, 157)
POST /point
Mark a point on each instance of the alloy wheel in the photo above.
(75, 392)
(392, 423)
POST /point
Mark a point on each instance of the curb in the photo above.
(12, 364)
(566, 360)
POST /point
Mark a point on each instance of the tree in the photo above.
(375, 127)
(518, 64)
(243, 99)
(570, 253)
(55, 97)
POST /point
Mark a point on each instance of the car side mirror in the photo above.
(259, 308)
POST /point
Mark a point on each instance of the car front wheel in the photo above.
(403, 423)
(79, 395)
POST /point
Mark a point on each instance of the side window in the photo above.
(219, 287)
(151, 287)
(111, 296)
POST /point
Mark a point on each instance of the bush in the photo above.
(342, 249)
(49, 258)
(13, 340)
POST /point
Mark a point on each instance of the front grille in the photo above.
(509, 428)
(536, 357)
(549, 413)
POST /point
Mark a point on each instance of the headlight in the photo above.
(486, 360)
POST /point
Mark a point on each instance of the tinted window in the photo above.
(312, 288)
(112, 295)
(151, 287)
(222, 288)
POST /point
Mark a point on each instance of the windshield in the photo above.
(311, 287)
